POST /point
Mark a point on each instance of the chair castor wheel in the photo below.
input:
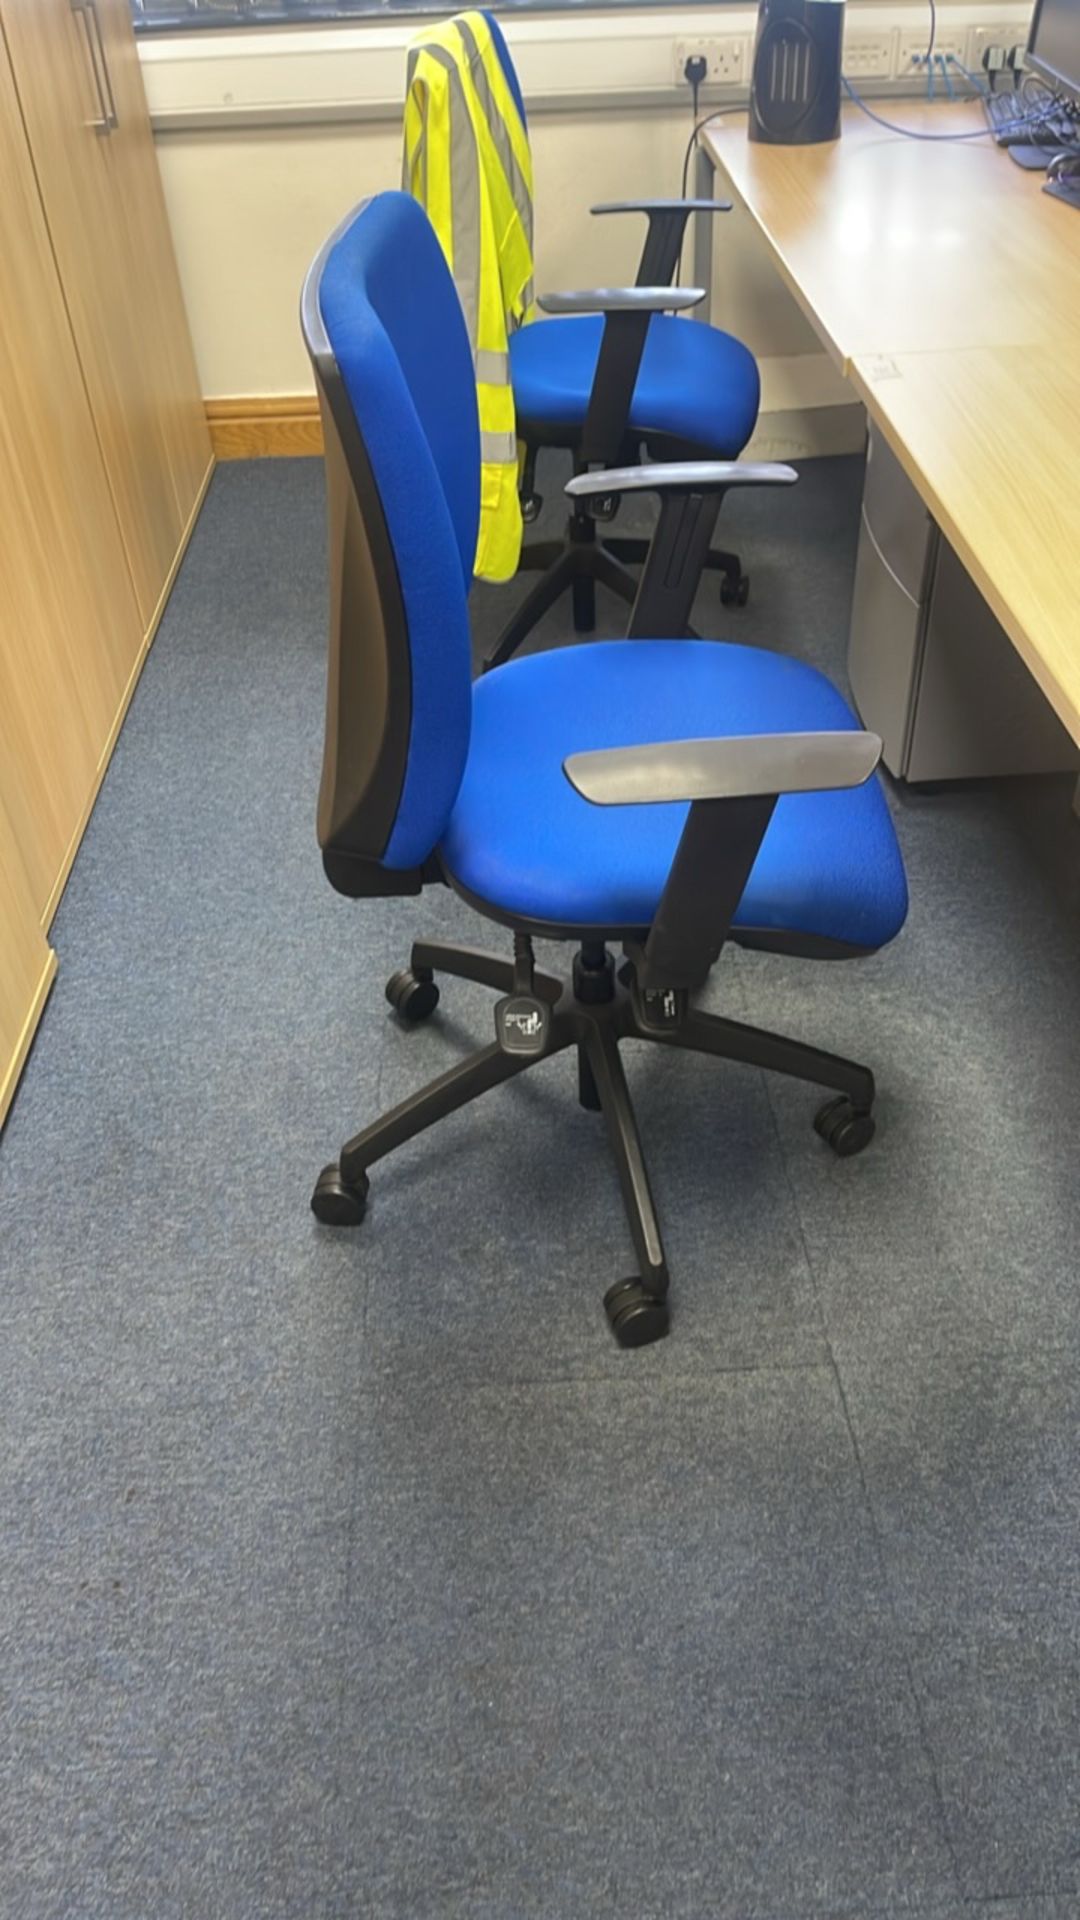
(636, 1316)
(735, 593)
(339, 1203)
(843, 1127)
(413, 996)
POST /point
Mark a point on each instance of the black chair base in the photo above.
(591, 1013)
(580, 567)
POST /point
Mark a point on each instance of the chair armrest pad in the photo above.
(681, 476)
(623, 300)
(739, 766)
(662, 206)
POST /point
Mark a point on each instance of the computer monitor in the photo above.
(1053, 49)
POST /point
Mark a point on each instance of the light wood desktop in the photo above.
(946, 286)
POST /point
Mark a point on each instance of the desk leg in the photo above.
(704, 186)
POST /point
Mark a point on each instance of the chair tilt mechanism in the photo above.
(657, 796)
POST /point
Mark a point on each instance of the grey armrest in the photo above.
(662, 206)
(736, 767)
(688, 476)
(623, 300)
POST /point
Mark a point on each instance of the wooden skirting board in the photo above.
(9, 1074)
(259, 428)
(252, 428)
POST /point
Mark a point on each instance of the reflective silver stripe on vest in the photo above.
(498, 449)
(464, 193)
(417, 158)
(499, 131)
(491, 367)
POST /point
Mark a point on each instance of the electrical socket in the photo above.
(725, 60)
(912, 47)
(1001, 33)
(869, 56)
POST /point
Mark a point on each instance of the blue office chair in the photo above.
(667, 796)
(616, 371)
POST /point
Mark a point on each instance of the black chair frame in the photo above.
(584, 558)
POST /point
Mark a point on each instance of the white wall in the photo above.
(265, 141)
(250, 207)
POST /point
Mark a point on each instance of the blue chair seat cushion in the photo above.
(522, 842)
(695, 384)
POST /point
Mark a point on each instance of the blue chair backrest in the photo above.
(393, 366)
(507, 64)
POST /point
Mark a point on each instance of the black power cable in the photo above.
(933, 34)
(694, 70)
(699, 126)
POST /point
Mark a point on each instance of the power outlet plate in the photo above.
(1000, 33)
(725, 60)
(869, 56)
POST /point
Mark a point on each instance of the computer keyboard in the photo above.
(1004, 114)
(1015, 122)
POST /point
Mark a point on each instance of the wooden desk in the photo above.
(1007, 502)
(893, 245)
(946, 286)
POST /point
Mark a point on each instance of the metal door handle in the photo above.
(99, 65)
(106, 75)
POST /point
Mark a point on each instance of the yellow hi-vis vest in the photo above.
(467, 161)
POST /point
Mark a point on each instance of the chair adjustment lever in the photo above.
(604, 506)
(522, 1019)
(531, 501)
(657, 1010)
(522, 1023)
(660, 1009)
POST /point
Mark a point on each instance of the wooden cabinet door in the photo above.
(26, 963)
(81, 93)
(70, 632)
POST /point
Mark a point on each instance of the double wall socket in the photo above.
(1003, 33)
(725, 60)
(869, 56)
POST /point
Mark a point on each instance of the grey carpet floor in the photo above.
(362, 1575)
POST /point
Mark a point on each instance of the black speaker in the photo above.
(795, 85)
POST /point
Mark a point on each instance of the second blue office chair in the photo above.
(614, 371)
(665, 796)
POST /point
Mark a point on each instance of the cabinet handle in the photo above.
(95, 48)
(111, 113)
